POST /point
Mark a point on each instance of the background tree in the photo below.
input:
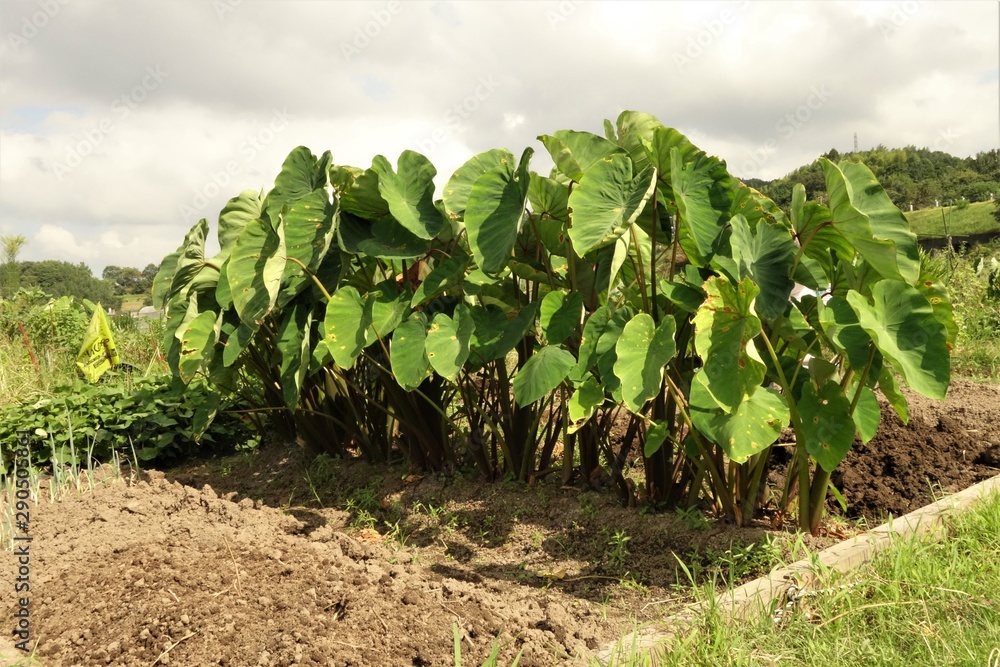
(147, 275)
(909, 175)
(64, 279)
(11, 245)
(123, 279)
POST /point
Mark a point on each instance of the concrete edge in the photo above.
(759, 594)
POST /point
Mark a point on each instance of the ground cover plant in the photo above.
(155, 418)
(511, 322)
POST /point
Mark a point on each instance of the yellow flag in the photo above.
(98, 353)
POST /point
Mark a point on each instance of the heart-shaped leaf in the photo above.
(544, 371)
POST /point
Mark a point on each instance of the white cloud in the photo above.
(449, 79)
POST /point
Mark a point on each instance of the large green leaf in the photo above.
(867, 414)
(342, 177)
(868, 219)
(408, 356)
(496, 333)
(190, 258)
(549, 198)
(635, 131)
(346, 324)
(605, 353)
(223, 291)
(814, 229)
(363, 198)
(236, 342)
(658, 146)
(459, 186)
(643, 349)
(494, 210)
(198, 343)
(937, 295)
(164, 278)
(887, 385)
(574, 153)
(352, 231)
(410, 192)
(656, 435)
(254, 271)
(301, 173)
(234, 216)
(544, 371)
(904, 327)
(560, 315)
(390, 240)
(386, 305)
(446, 275)
(607, 201)
(724, 332)
(550, 212)
(842, 328)
(295, 349)
(886, 220)
(610, 260)
(765, 255)
(827, 425)
(593, 329)
(687, 297)
(179, 311)
(702, 191)
(308, 228)
(584, 402)
(756, 207)
(748, 430)
(448, 339)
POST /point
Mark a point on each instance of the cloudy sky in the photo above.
(123, 123)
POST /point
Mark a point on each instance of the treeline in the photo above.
(910, 175)
(58, 278)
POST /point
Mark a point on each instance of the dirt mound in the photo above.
(907, 466)
(947, 446)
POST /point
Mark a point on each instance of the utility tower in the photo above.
(855, 142)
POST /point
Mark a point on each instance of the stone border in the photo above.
(759, 594)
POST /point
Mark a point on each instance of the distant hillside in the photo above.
(910, 175)
(975, 218)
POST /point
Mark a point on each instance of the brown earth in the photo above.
(270, 559)
(945, 447)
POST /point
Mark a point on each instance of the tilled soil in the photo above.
(907, 466)
(945, 447)
(139, 569)
(271, 559)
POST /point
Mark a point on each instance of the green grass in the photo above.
(132, 302)
(20, 381)
(974, 219)
(924, 601)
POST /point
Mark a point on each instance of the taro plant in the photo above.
(512, 322)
